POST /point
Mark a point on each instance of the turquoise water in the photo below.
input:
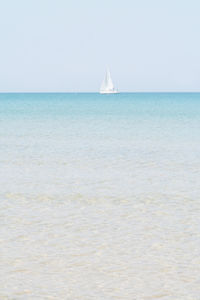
(100, 196)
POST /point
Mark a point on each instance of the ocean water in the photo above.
(100, 196)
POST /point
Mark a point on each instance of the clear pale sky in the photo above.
(66, 45)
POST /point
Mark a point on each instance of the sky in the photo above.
(66, 45)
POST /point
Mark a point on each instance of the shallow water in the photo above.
(100, 196)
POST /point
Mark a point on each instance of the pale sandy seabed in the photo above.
(76, 248)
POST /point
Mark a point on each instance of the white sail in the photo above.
(107, 86)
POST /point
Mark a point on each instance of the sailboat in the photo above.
(107, 86)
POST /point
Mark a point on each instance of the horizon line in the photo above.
(129, 92)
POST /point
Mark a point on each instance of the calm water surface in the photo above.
(100, 196)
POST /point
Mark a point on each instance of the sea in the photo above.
(100, 196)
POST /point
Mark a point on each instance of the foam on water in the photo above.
(99, 196)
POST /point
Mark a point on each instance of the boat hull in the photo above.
(109, 92)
